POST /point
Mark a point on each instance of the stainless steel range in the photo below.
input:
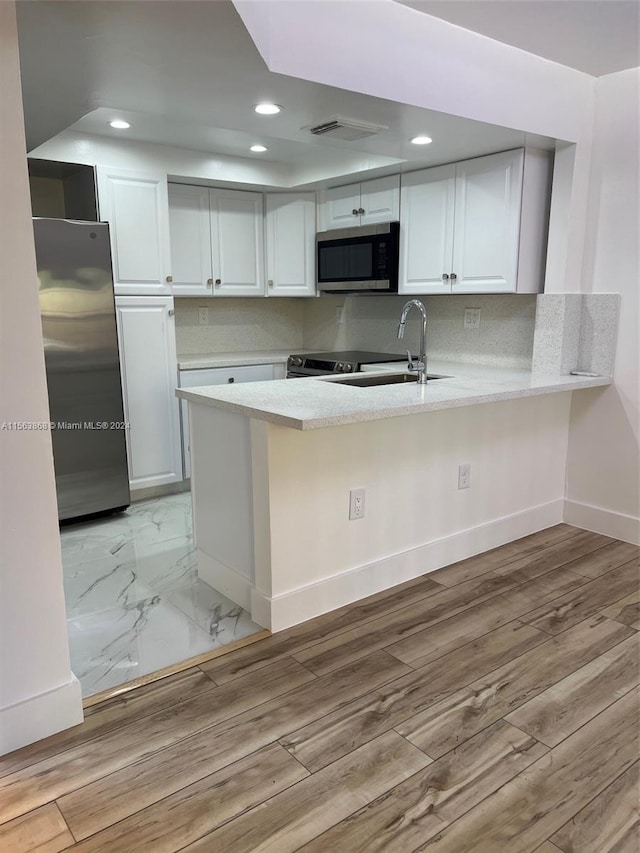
(326, 363)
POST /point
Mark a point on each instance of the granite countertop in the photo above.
(315, 403)
(233, 359)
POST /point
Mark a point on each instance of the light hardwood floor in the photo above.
(490, 706)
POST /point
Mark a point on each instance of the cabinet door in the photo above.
(380, 200)
(341, 206)
(487, 223)
(136, 208)
(190, 240)
(216, 376)
(237, 242)
(426, 230)
(291, 244)
(146, 336)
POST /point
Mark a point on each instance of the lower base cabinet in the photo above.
(219, 376)
(146, 336)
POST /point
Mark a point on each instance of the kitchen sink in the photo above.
(389, 379)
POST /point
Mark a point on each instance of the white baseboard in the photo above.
(40, 716)
(282, 611)
(234, 585)
(604, 521)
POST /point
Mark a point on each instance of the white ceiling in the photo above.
(595, 36)
(187, 74)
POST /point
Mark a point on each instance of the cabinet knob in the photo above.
(171, 312)
(209, 282)
(354, 211)
(361, 210)
(231, 379)
(218, 282)
(445, 276)
(453, 276)
(270, 282)
(169, 278)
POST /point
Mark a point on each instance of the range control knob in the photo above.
(339, 367)
(295, 361)
(348, 368)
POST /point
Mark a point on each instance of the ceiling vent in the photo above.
(347, 129)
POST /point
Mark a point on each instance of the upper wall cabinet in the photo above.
(191, 265)
(290, 229)
(237, 242)
(217, 245)
(135, 205)
(479, 226)
(361, 204)
(426, 230)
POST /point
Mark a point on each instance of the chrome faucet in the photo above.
(419, 367)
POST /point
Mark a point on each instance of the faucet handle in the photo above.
(415, 366)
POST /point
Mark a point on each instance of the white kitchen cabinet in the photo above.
(237, 242)
(146, 337)
(290, 230)
(217, 243)
(190, 234)
(478, 226)
(361, 204)
(135, 206)
(487, 224)
(426, 230)
(219, 376)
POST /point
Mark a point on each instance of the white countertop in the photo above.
(233, 359)
(316, 403)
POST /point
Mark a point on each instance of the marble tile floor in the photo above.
(134, 600)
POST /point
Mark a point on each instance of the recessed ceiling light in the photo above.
(421, 140)
(258, 148)
(119, 124)
(267, 109)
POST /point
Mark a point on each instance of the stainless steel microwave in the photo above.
(359, 260)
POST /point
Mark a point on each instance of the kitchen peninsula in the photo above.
(274, 464)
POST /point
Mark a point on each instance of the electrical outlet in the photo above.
(471, 318)
(203, 316)
(356, 504)
(464, 476)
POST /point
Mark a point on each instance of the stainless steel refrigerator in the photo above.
(77, 307)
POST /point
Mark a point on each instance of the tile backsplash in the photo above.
(504, 338)
(237, 325)
(576, 331)
(568, 331)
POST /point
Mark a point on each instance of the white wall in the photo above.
(74, 147)
(384, 49)
(38, 694)
(603, 475)
(310, 558)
